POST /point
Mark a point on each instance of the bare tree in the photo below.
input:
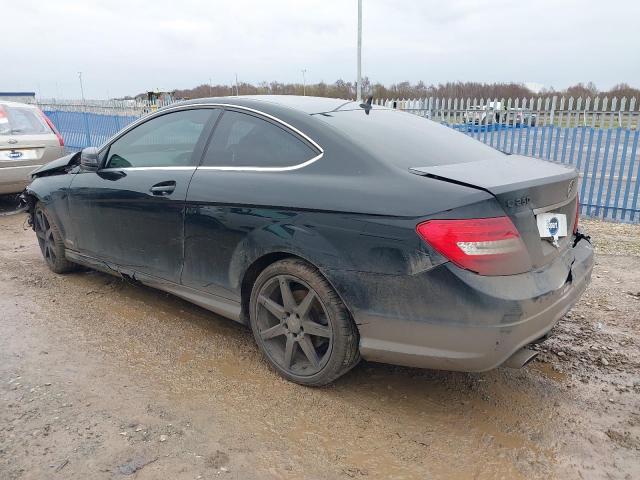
(407, 90)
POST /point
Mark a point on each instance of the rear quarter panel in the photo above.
(348, 223)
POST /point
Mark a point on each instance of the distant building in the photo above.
(25, 97)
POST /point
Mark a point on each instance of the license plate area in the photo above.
(18, 154)
(552, 225)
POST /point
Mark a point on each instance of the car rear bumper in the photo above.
(463, 321)
(14, 179)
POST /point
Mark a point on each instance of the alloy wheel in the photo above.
(46, 240)
(293, 325)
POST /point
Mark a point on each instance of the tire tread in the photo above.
(61, 265)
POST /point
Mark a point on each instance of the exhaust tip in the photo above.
(521, 358)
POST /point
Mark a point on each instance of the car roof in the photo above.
(393, 137)
(304, 104)
(7, 103)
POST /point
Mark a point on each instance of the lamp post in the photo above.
(81, 87)
(359, 80)
(87, 131)
(304, 82)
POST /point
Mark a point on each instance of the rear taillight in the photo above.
(575, 223)
(488, 246)
(53, 128)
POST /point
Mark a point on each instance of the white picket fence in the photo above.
(101, 107)
(595, 112)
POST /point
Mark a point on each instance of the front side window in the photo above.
(165, 141)
(244, 140)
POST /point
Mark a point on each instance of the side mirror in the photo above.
(89, 158)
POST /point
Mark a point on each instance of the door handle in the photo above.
(163, 188)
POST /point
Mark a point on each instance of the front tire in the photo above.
(301, 325)
(50, 242)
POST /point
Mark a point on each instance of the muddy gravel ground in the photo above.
(101, 379)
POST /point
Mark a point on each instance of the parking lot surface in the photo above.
(103, 379)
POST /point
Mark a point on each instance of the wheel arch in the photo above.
(52, 191)
(30, 198)
(254, 269)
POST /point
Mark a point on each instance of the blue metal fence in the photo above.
(84, 129)
(607, 159)
(599, 138)
(90, 123)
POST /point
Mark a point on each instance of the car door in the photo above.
(130, 212)
(227, 201)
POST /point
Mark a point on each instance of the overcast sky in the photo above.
(130, 46)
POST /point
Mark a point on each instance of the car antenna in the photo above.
(367, 105)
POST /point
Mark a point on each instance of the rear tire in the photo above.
(301, 325)
(50, 242)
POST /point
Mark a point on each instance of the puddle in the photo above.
(548, 371)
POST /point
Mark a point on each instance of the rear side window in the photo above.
(22, 121)
(243, 140)
(165, 141)
(407, 140)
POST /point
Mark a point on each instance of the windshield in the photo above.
(21, 121)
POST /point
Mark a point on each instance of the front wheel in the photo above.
(50, 242)
(301, 325)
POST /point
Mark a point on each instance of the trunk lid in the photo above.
(525, 187)
(16, 151)
(25, 137)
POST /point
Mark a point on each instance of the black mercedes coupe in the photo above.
(336, 230)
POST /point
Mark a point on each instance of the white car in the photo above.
(485, 114)
(520, 117)
(28, 139)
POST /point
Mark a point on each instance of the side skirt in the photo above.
(222, 306)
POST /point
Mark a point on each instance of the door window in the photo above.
(243, 140)
(165, 141)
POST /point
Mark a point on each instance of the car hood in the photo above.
(56, 165)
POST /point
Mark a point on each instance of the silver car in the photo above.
(28, 139)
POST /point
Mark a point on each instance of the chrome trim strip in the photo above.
(236, 169)
(548, 208)
(264, 169)
(127, 169)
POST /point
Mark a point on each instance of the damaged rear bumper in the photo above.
(453, 319)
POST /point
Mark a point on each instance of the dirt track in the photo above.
(102, 379)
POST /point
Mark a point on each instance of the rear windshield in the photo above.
(21, 121)
(407, 140)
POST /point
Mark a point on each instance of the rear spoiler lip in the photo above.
(422, 173)
(526, 175)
